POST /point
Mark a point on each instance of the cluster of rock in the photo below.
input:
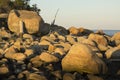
(73, 54)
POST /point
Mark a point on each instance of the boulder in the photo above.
(17, 44)
(34, 76)
(1, 53)
(46, 57)
(80, 39)
(3, 15)
(47, 43)
(4, 34)
(118, 46)
(4, 70)
(113, 53)
(57, 74)
(31, 24)
(99, 39)
(28, 36)
(60, 37)
(15, 56)
(88, 42)
(73, 30)
(91, 44)
(28, 52)
(65, 45)
(59, 29)
(10, 50)
(70, 39)
(116, 36)
(83, 31)
(36, 62)
(79, 57)
(68, 76)
(25, 73)
(60, 51)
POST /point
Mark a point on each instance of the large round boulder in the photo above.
(31, 21)
(81, 58)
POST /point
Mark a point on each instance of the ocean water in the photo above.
(109, 32)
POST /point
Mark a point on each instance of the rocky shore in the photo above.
(79, 55)
(58, 53)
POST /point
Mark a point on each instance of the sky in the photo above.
(90, 14)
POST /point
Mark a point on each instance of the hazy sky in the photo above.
(91, 14)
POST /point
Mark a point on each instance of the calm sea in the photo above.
(109, 32)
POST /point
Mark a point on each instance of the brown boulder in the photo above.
(73, 30)
(99, 39)
(15, 56)
(68, 76)
(4, 33)
(46, 57)
(113, 53)
(32, 21)
(4, 70)
(79, 57)
(83, 31)
(34, 76)
(70, 39)
(116, 36)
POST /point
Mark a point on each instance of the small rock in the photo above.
(92, 77)
(62, 38)
(1, 53)
(80, 39)
(73, 30)
(17, 44)
(68, 76)
(16, 56)
(102, 48)
(66, 46)
(53, 36)
(60, 51)
(118, 73)
(37, 64)
(33, 76)
(28, 36)
(28, 52)
(4, 70)
(50, 46)
(70, 39)
(4, 34)
(57, 74)
(12, 77)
